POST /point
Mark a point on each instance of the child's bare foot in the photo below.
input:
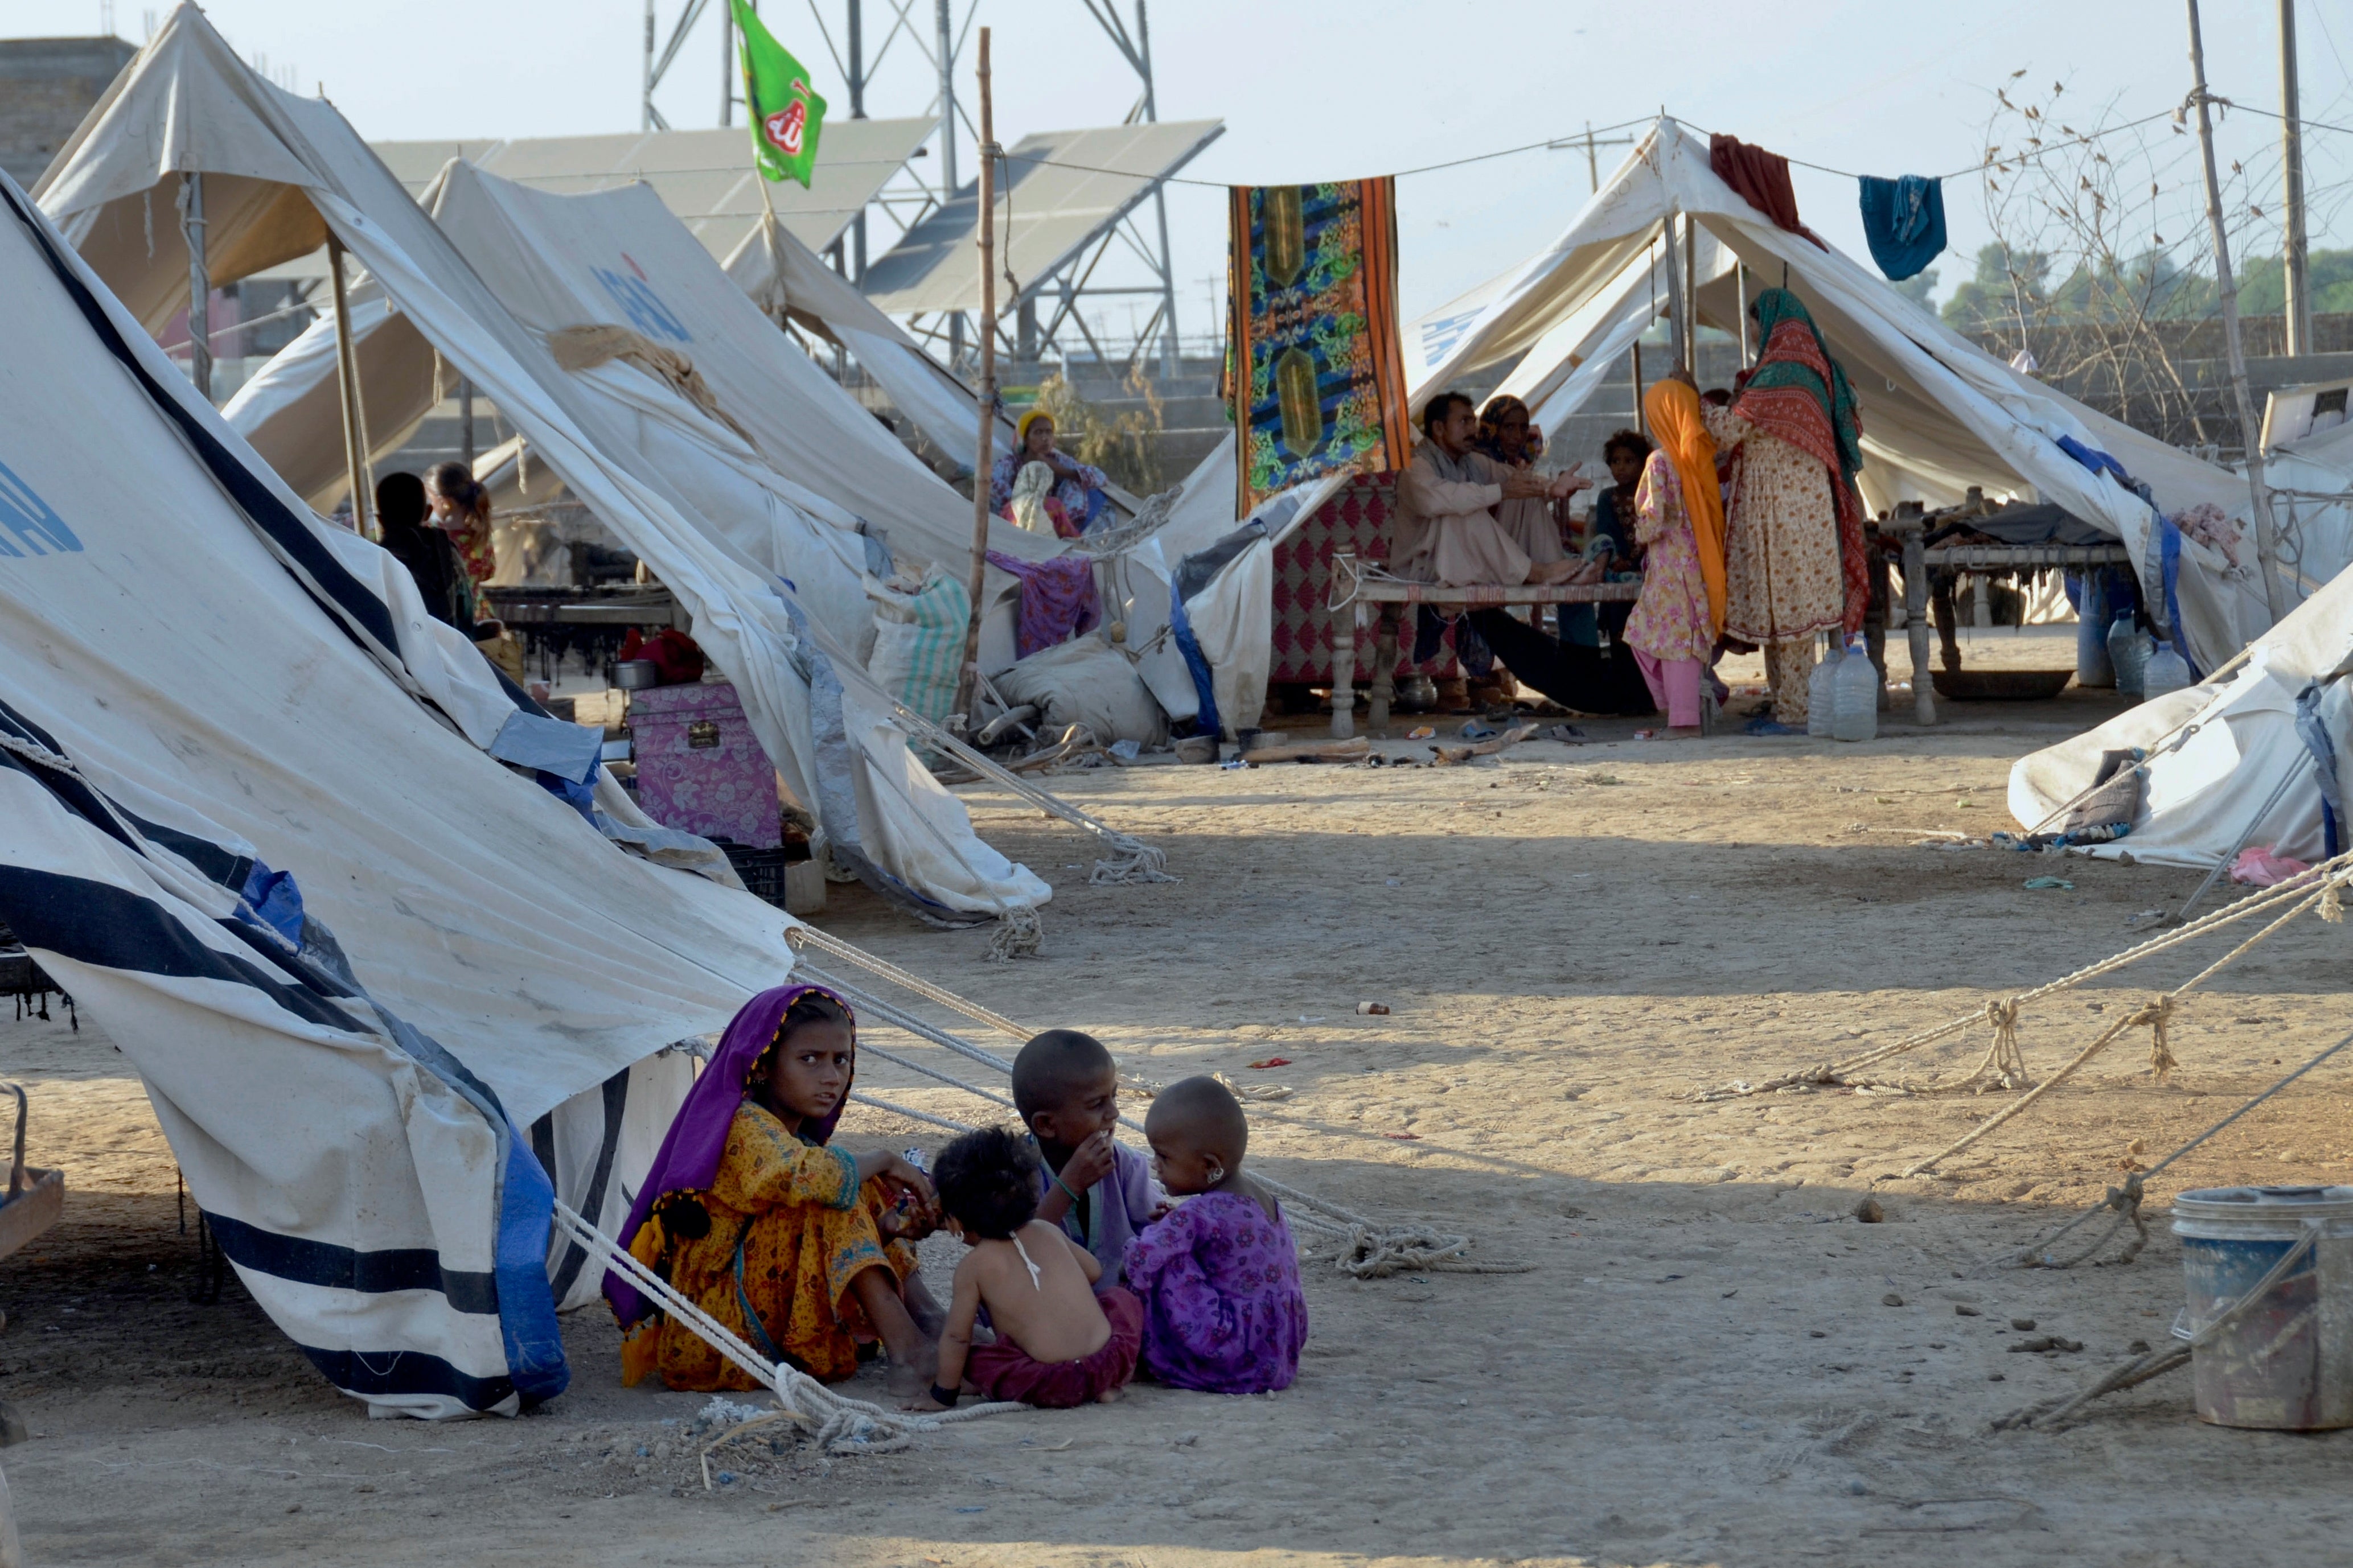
(1552, 571)
(923, 1402)
(912, 1377)
(1109, 1395)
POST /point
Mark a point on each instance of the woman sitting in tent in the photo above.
(804, 1250)
(1082, 490)
(1794, 561)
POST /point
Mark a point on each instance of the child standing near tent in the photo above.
(797, 1247)
(1219, 1275)
(1678, 520)
(1060, 1342)
(1067, 1088)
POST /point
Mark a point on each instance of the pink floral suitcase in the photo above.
(699, 768)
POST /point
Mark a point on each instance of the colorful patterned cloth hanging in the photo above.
(1316, 373)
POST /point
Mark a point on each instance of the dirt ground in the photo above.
(1704, 1364)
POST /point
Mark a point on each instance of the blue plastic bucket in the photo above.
(2286, 1363)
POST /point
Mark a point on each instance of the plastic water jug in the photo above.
(1855, 714)
(2166, 671)
(1822, 694)
(2092, 619)
(2129, 651)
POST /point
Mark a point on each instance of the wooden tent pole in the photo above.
(200, 286)
(986, 458)
(347, 380)
(2249, 433)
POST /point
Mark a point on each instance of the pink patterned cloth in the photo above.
(1058, 599)
(1223, 1308)
(1670, 619)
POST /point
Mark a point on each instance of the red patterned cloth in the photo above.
(1354, 522)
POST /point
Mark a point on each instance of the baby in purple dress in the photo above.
(1218, 1276)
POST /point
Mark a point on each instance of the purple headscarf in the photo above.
(690, 1150)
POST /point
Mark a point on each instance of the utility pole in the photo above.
(967, 680)
(2249, 432)
(947, 149)
(2299, 290)
(1589, 142)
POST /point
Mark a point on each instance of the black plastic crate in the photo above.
(762, 870)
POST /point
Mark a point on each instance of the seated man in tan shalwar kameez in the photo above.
(1446, 527)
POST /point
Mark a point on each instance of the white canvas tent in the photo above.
(2248, 758)
(788, 280)
(1938, 414)
(380, 987)
(187, 103)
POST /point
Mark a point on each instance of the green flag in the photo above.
(786, 113)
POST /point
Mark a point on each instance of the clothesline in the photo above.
(1556, 143)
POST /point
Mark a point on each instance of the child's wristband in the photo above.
(1066, 1189)
(944, 1397)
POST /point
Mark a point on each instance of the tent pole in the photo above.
(200, 288)
(967, 698)
(2294, 245)
(1640, 422)
(2250, 437)
(1679, 331)
(1740, 269)
(1690, 293)
(347, 380)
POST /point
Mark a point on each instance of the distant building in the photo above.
(47, 84)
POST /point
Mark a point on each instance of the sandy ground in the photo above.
(1703, 1364)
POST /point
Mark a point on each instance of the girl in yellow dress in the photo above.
(803, 1249)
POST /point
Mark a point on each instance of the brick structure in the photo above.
(47, 84)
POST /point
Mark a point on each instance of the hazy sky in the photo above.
(1326, 89)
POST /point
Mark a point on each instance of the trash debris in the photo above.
(1372, 1009)
(1233, 765)
(2264, 867)
(1419, 733)
(1403, 1137)
(1126, 751)
(1473, 729)
(1272, 1062)
(2045, 884)
(1316, 1019)
(1566, 734)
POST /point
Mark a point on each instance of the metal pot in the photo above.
(635, 674)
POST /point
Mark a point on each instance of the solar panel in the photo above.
(703, 176)
(1066, 188)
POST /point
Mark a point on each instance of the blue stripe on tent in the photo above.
(291, 533)
(1206, 721)
(407, 1372)
(109, 927)
(527, 1325)
(306, 1262)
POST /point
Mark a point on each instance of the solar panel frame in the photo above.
(1068, 188)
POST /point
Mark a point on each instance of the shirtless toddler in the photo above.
(1060, 1343)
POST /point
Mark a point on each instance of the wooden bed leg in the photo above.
(1343, 671)
(1385, 658)
(1915, 625)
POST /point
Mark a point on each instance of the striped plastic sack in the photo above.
(918, 641)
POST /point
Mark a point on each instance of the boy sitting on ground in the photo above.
(1060, 1343)
(1066, 1087)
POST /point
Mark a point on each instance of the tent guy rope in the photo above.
(1365, 1247)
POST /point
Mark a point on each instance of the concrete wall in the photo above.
(47, 84)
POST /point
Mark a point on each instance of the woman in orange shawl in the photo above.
(1679, 521)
